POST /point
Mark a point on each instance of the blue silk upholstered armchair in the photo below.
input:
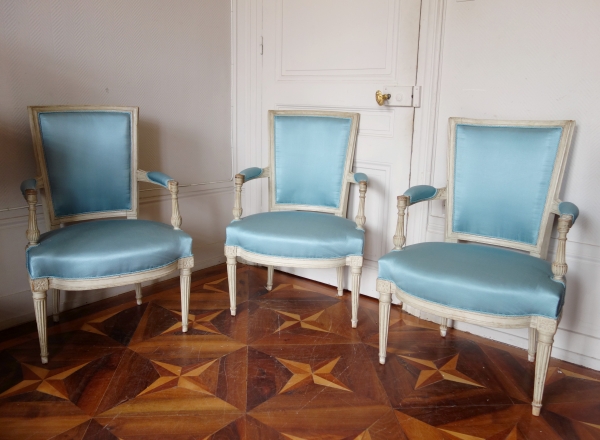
(311, 156)
(87, 169)
(503, 184)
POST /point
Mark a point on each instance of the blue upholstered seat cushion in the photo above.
(296, 234)
(106, 248)
(475, 278)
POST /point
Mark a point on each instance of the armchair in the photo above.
(504, 178)
(87, 159)
(311, 154)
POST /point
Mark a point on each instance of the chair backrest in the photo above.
(311, 155)
(504, 179)
(87, 161)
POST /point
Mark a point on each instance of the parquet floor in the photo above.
(288, 366)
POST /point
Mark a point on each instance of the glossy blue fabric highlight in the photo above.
(501, 180)
(251, 173)
(160, 178)
(88, 157)
(476, 278)
(296, 234)
(310, 154)
(418, 193)
(360, 177)
(568, 208)
(28, 184)
(106, 248)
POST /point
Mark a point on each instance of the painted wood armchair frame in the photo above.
(355, 262)
(41, 286)
(541, 329)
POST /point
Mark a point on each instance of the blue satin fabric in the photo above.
(161, 178)
(501, 180)
(106, 248)
(360, 177)
(28, 184)
(418, 193)
(251, 173)
(88, 156)
(568, 208)
(310, 154)
(296, 234)
(475, 278)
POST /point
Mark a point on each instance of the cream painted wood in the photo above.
(340, 280)
(138, 293)
(270, 270)
(355, 262)
(541, 329)
(39, 287)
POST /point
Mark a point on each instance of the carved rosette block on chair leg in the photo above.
(340, 280)
(385, 300)
(270, 270)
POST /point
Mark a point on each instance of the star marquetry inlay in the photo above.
(307, 323)
(43, 380)
(431, 374)
(303, 374)
(201, 377)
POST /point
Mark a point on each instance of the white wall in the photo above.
(532, 59)
(172, 58)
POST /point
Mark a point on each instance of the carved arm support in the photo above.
(568, 213)
(241, 178)
(361, 180)
(29, 191)
(169, 183)
(415, 194)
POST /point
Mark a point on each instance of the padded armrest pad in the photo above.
(568, 208)
(28, 184)
(251, 173)
(159, 178)
(360, 177)
(419, 193)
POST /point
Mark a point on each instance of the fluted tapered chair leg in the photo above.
(39, 303)
(270, 270)
(356, 273)
(340, 280)
(230, 253)
(185, 278)
(385, 299)
(544, 348)
(532, 344)
(55, 304)
(138, 293)
(443, 327)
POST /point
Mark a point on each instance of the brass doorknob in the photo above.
(381, 98)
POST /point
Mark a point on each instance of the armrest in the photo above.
(161, 179)
(361, 180)
(568, 208)
(241, 178)
(415, 194)
(420, 193)
(29, 191)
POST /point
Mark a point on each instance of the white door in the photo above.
(334, 55)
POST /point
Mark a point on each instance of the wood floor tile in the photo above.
(287, 366)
